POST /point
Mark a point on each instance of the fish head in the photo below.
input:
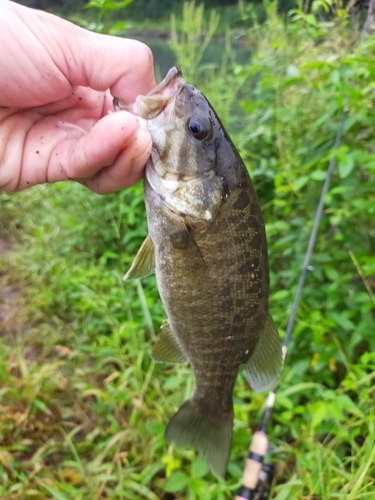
(182, 169)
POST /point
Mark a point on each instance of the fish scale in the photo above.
(208, 246)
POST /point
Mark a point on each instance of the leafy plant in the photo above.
(104, 15)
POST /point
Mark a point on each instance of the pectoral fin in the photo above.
(264, 366)
(182, 239)
(144, 262)
(167, 349)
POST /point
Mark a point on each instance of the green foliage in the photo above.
(189, 45)
(82, 406)
(105, 15)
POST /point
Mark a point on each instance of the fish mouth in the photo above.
(172, 82)
(156, 112)
(158, 102)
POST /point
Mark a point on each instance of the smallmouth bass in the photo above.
(208, 249)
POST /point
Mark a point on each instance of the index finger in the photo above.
(90, 59)
(122, 65)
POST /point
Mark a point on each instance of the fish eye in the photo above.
(198, 128)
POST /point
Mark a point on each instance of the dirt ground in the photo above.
(10, 321)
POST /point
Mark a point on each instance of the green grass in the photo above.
(82, 406)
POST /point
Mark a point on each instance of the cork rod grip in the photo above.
(253, 465)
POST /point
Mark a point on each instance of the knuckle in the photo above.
(145, 56)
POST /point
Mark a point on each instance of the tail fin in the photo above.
(210, 435)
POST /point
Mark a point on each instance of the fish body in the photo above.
(208, 247)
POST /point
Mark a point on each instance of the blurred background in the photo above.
(82, 406)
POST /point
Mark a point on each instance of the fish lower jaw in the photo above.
(171, 184)
(173, 181)
(195, 219)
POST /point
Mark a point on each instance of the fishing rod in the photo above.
(258, 475)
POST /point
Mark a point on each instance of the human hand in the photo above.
(56, 81)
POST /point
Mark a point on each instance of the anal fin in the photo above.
(144, 262)
(167, 348)
(264, 366)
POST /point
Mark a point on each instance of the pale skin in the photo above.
(56, 115)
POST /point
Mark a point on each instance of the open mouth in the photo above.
(157, 102)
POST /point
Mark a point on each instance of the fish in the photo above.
(207, 247)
